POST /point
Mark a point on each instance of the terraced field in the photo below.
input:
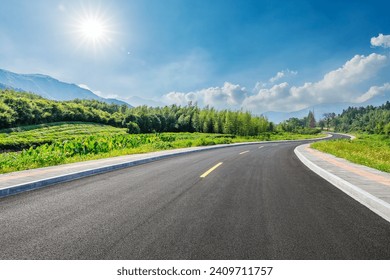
(34, 135)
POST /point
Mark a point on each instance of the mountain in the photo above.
(49, 87)
(139, 101)
(321, 109)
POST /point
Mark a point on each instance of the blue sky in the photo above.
(252, 54)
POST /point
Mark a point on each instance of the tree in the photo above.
(328, 118)
(321, 124)
(19, 108)
(311, 121)
(292, 124)
(7, 116)
(133, 128)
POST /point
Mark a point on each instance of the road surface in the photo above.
(252, 202)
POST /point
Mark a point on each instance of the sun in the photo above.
(93, 30)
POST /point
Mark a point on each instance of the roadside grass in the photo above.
(22, 137)
(60, 143)
(369, 150)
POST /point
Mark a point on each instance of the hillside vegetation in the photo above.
(19, 109)
(58, 143)
(372, 127)
(370, 120)
(37, 132)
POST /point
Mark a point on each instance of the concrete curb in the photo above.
(373, 203)
(15, 189)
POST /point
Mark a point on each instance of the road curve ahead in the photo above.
(252, 202)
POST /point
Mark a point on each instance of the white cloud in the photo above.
(381, 41)
(180, 98)
(273, 98)
(229, 95)
(282, 74)
(373, 91)
(84, 86)
(98, 92)
(277, 77)
(344, 84)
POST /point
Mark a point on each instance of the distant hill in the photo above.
(321, 109)
(139, 101)
(49, 87)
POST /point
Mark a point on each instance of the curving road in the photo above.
(253, 202)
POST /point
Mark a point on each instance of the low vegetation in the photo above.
(369, 150)
(24, 137)
(37, 132)
(58, 143)
(372, 126)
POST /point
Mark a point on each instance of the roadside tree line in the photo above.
(369, 119)
(19, 108)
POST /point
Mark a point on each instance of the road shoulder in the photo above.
(368, 186)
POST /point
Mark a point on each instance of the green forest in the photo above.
(20, 109)
(371, 125)
(370, 119)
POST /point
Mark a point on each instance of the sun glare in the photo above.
(94, 29)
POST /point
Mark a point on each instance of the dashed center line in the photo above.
(210, 170)
(244, 152)
(261, 147)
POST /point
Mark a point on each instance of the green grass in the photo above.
(35, 135)
(368, 150)
(60, 143)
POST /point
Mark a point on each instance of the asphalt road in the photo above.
(260, 203)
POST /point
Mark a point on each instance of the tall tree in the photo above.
(311, 121)
(328, 118)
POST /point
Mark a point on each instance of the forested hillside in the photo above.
(19, 109)
(371, 125)
(370, 119)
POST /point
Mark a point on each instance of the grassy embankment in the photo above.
(59, 143)
(368, 150)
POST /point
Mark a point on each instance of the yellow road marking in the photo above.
(244, 152)
(210, 170)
